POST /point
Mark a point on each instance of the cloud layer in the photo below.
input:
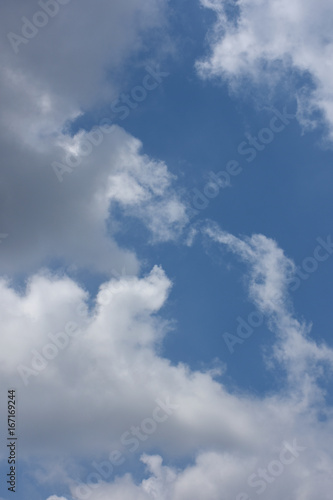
(107, 368)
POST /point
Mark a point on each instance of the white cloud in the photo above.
(266, 40)
(291, 454)
(54, 497)
(270, 272)
(88, 385)
(299, 474)
(109, 376)
(144, 189)
(123, 334)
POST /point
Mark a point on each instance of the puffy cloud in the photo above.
(107, 375)
(268, 40)
(88, 370)
(109, 360)
(291, 469)
(144, 189)
(292, 452)
(68, 220)
(56, 75)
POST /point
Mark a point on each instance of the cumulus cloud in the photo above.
(68, 220)
(57, 190)
(112, 362)
(297, 473)
(89, 370)
(295, 460)
(265, 41)
(107, 377)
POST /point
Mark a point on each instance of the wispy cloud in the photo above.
(266, 42)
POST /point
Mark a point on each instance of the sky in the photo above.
(166, 250)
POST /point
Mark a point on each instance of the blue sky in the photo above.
(130, 274)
